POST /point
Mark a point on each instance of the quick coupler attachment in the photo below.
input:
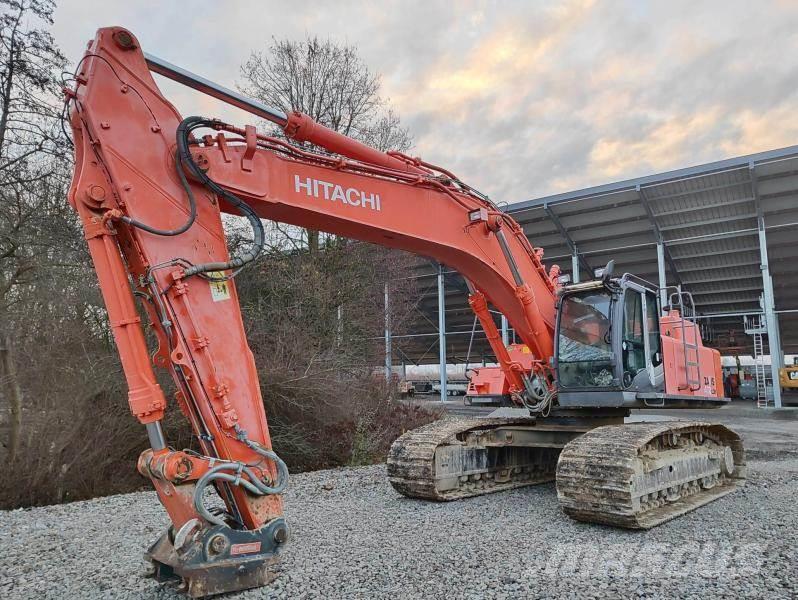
(203, 560)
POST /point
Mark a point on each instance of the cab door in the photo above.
(641, 354)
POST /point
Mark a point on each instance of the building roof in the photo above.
(707, 218)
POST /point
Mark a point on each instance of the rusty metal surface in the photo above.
(459, 458)
(216, 560)
(640, 475)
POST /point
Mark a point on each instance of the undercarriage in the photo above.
(635, 475)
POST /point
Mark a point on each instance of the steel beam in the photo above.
(663, 282)
(566, 236)
(774, 341)
(728, 290)
(700, 207)
(771, 320)
(618, 187)
(709, 188)
(707, 237)
(724, 278)
(745, 300)
(712, 221)
(722, 252)
(442, 332)
(641, 194)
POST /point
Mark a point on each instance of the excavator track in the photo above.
(639, 475)
(437, 462)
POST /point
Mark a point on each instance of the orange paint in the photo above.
(124, 132)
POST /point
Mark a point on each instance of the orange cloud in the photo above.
(666, 146)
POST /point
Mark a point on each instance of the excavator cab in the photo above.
(609, 347)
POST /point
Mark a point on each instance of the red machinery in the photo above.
(681, 348)
(150, 187)
(488, 385)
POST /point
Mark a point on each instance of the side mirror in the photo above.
(608, 270)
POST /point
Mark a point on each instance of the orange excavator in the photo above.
(488, 385)
(150, 188)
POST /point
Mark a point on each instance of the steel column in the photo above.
(566, 236)
(774, 342)
(641, 194)
(505, 331)
(442, 332)
(575, 267)
(663, 293)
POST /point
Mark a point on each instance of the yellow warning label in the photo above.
(220, 290)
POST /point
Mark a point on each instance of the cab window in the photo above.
(652, 316)
(633, 345)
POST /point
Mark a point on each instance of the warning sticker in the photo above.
(220, 290)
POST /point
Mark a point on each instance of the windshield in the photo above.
(585, 344)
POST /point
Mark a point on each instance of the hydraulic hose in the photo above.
(234, 472)
(259, 237)
(192, 203)
(185, 161)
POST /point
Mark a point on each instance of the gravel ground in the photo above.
(352, 536)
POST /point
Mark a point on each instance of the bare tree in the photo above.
(330, 83)
(30, 63)
(31, 172)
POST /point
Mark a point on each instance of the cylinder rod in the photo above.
(194, 81)
(155, 435)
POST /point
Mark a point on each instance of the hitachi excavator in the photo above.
(150, 188)
(488, 385)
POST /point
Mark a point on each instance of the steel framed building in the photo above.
(723, 231)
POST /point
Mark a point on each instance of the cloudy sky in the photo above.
(521, 99)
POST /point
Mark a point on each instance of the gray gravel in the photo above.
(360, 539)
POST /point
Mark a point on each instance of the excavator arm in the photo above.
(150, 188)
